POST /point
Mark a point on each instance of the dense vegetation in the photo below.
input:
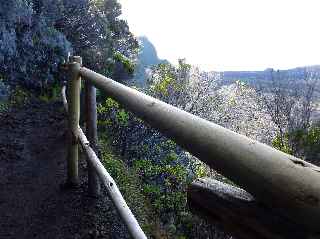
(36, 36)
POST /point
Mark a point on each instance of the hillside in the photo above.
(147, 58)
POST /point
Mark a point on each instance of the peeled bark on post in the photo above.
(237, 212)
(74, 87)
(92, 134)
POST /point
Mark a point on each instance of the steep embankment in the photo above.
(32, 169)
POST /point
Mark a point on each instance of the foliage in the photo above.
(282, 144)
(308, 142)
(36, 36)
(165, 184)
(185, 87)
(19, 96)
(164, 169)
(242, 110)
(128, 65)
(31, 48)
(98, 34)
(290, 103)
(130, 187)
(51, 94)
(174, 178)
(237, 106)
(4, 106)
(162, 188)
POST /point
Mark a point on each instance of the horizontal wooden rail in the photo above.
(112, 189)
(287, 184)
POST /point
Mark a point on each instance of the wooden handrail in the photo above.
(273, 177)
(111, 186)
(277, 180)
(112, 189)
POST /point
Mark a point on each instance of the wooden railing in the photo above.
(95, 168)
(282, 197)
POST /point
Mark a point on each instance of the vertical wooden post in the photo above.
(92, 134)
(74, 87)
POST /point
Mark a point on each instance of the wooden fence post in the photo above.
(92, 134)
(74, 87)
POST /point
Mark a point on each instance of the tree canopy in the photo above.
(36, 36)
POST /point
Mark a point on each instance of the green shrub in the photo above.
(130, 187)
(4, 106)
(19, 96)
(165, 185)
(300, 143)
(282, 144)
(129, 66)
(51, 94)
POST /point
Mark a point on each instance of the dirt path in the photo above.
(32, 170)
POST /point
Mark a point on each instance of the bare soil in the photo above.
(33, 202)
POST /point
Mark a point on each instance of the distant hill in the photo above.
(263, 79)
(147, 58)
(260, 77)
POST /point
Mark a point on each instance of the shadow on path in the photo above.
(32, 168)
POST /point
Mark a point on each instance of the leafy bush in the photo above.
(282, 144)
(155, 192)
(19, 96)
(130, 187)
(307, 142)
(51, 94)
(158, 164)
(31, 48)
(164, 169)
(165, 184)
(127, 63)
(36, 37)
(4, 106)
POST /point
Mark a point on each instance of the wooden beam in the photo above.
(237, 212)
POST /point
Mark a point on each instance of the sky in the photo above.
(230, 34)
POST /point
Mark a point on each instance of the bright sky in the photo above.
(230, 34)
